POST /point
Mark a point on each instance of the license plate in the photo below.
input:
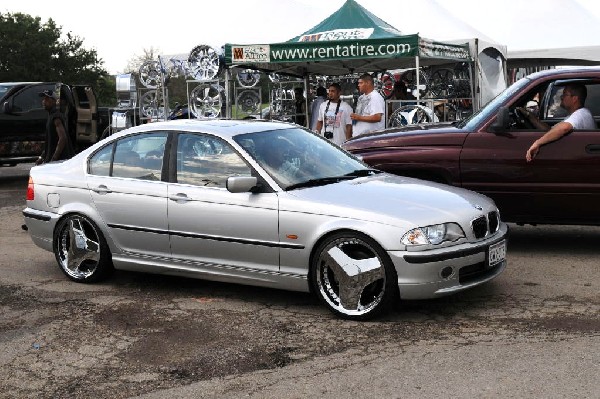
(497, 253)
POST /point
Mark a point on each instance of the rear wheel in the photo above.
(353, 276)
(81, 251)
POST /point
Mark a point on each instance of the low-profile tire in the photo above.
(353, 276)
(81, 250)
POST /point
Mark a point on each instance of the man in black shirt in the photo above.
(57, 146)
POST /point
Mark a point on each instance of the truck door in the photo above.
(86, 126)
(23, 123)
(564, 175)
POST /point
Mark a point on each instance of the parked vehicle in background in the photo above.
(486, 152)
(23, 119)
(261, 203)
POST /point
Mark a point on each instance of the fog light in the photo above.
(446, 272)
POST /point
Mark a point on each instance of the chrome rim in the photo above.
(150, 75)
(151, 105)
(79, 248)
(351, 276)
(206, 101)
(248, 77)
(203, 63)
(384, 84)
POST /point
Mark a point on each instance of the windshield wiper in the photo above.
(363, 172)
(318, 182)
(322, 181)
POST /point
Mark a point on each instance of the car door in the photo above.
(562, 184)
(23, 122)
(126, 184)
(211, 228)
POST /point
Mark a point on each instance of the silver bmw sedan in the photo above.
(262, 203)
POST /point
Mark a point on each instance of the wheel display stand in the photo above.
(282, 100)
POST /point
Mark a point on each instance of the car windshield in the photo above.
(4, 88)
(472, 122)
(296, 158)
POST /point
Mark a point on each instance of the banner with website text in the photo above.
(319, 51)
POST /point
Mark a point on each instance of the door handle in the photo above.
(180, 197)
(102, 189)
(592, 148)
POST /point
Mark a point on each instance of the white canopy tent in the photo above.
(436, 21)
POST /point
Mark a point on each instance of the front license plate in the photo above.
(497, 253)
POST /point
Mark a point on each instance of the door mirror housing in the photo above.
(502, 122)
(241, 184)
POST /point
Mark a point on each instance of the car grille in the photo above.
(482, 226)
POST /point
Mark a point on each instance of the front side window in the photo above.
(27, 99)
(204, 160)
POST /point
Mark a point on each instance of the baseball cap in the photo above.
(47, 93)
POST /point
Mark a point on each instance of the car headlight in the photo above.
(435, 234)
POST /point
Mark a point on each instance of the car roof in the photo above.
(222, 127)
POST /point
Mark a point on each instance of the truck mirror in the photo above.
(502, 122)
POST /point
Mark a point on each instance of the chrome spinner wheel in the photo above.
(80, 249)
(353, 276)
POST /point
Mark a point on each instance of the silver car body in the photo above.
(267, 238)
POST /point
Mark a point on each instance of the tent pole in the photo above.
(417, 74)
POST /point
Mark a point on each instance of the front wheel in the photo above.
(81, 251)
(353, 276)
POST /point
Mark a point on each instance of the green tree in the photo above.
(34, 51)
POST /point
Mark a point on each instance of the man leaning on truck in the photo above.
(57, 146)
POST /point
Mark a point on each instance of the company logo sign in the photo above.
(252, 53)
(338, 34)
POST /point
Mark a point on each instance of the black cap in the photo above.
(47, 93)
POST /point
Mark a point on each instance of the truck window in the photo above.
(27, 99)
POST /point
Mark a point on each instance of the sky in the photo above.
(121, 30)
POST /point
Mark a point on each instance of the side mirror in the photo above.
(241, 184)
(6, 107)
(502, 122)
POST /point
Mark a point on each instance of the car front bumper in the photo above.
(444, 271)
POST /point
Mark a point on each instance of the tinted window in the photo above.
(27, 99)
(140, 156)
(204, 160)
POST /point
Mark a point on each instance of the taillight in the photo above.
(30, 194)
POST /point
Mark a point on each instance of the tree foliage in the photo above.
(34, 51)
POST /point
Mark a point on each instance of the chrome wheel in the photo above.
(150, 75)
(410, 115)
(80, 249)
(203, 63)
(353, 276)
(151, 105)
(205, 101)
(384, 84)
(248, 77)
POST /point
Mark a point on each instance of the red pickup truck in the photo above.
(486, 152)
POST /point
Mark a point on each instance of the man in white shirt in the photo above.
(370, 108)
(334, 121)
(573, 100)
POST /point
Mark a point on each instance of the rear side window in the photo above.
(137, 157)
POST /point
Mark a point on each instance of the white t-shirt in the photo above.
(582, 119)
(314, 111)
(369, 104)
(336, 123)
